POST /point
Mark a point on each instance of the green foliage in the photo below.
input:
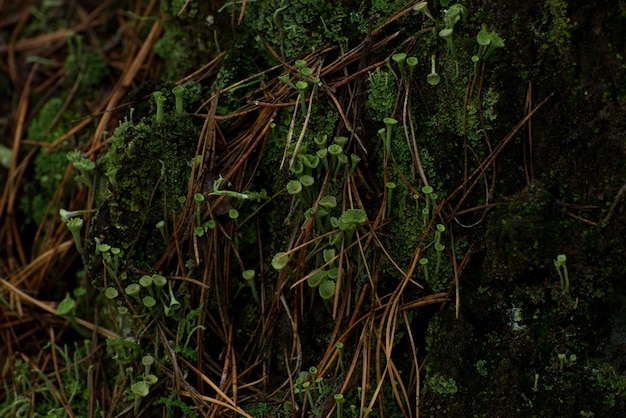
(147, 171)
(177, 46)
(612, 384)
(186, 329)
(293, 28)
(558, 26)
(381, 94)
(441, 385)
(84, 65)
(30, 391)
(380, 10)
(39, 126)
(172, 403)
(49, 165)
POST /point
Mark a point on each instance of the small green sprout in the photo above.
(390, 186)
(425, 216)
(145, 281)
(302, 86)
(306, 72)
(297, 168)
(433, 78)
(427, 190)
(321, 141)
(246, 195)
(174, 304)
(335, 149)
(148, 301)
(294, 187)
(248, 276)
(342, 160)
(309, 162)
(140, 388)
(285, 79)
(327, 289)
(147, 362)
(455, 13)
(159, 281)
(233, 213)
(354, 162)
(349, 221)
(422, 7)
(447, 35)
(411, 62)
(307, 180)
(198, 198)
(66, 308)
(133, 290)
(439, 247)
(75, 225)
(328, 202)
(440, 229)
(329, 254)
(280, 260)
(312, 373)
(316, 279)
(475, 59)
(339, 347)
(389, 124)
(306, 387)
(160, 102)
(561, 269)
(300, 64)
(424, 263)
(179, 92)
(111, 293)
(66, 215)
(336, 152)
(84, 166)
(150, 379)
(399, 59)
(339, 399)
(341, 140)
(161, 227)
(483, 38)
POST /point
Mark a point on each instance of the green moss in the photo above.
(147, 168)
(558, 26)
(49, 166)
(304, 26)
(381, 94)
(188, 40)
(83, 64)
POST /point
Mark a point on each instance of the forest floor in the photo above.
(268, 208)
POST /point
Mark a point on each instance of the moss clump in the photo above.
(188, 37)
(381, 94)
(293, 28)
(147, 169)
